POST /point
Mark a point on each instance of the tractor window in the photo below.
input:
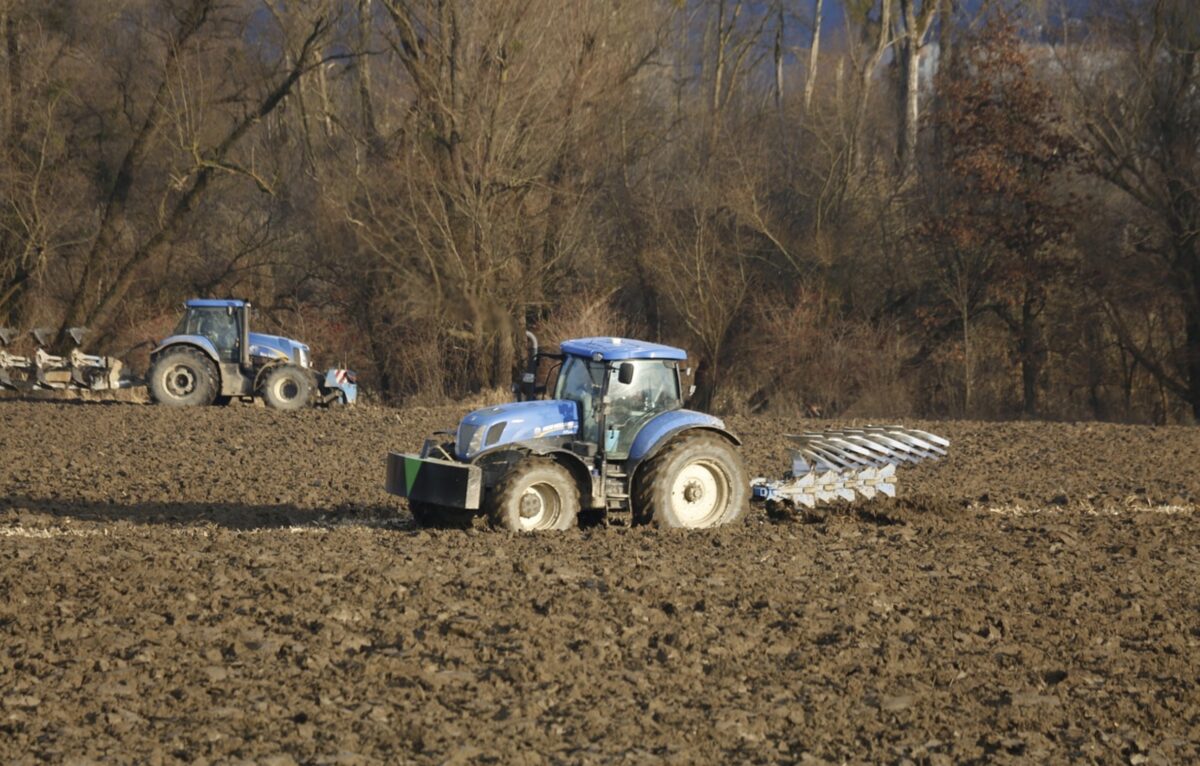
(578, 381)
(654, 389)
(219, 325)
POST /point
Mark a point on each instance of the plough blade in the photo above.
(44, 336)
(842, 464)
(10, 364)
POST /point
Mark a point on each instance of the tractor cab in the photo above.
(633, 380)
(222, 322)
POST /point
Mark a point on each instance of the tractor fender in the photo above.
(659, 432)
(261, 373)
(553, 449)
(196, 341)
(578, 468)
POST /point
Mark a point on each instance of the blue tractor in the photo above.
(616, 439)
(213, 357)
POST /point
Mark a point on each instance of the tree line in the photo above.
(840, 207)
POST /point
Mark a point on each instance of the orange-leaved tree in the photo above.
(996, 226)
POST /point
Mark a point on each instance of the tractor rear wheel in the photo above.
(287, 388)
(697, 481)
(537, 495)
(183, 377)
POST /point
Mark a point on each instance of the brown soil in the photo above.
(233, 584)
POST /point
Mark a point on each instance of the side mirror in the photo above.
(625, 373)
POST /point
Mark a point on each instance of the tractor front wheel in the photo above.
(537, 495)
(183, 377)
(287, 388)
(697, 481)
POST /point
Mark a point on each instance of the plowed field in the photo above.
(234, 585)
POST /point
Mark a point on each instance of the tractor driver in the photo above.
(221, 329)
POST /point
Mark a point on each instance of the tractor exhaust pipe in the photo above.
(527, 389)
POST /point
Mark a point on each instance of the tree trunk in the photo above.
(363, 72)
(1095, 370)
(380, 347)
(502, 364)
(706, 383)
(16, 78)
(865, 77)
(911, 66)
(1192, 355)
(1032, 356)
(916, 26)
(968, 375)
(810, 77)
(779, 58)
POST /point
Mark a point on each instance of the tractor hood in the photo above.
(278, 347)
(516, 422)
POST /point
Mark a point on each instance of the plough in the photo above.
(50, 372)
(845, 464)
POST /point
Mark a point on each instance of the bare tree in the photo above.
(206, 155)
(702, 270)
(1142, 138)
(482, 193)
(733, 33)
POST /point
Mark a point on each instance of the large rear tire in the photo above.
(183, 377)
(697, 481)
(537, 495)
(287, 388)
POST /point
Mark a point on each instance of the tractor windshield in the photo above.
(218, 324)
(653, 389)
(579, 382)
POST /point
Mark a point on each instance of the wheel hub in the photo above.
(531, 504)
(180, 381)
(700, 493)
(540, 507)
(288, 390)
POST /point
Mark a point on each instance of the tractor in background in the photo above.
(616, 439)
(213, 357)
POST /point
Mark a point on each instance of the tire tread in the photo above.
(303, 379)
(204, 368)
(649, 479)
(506, 490)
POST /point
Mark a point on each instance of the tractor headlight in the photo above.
(302, 353)
(470, 440)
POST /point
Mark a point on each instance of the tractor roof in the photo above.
(615, 349)
(215, 303)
